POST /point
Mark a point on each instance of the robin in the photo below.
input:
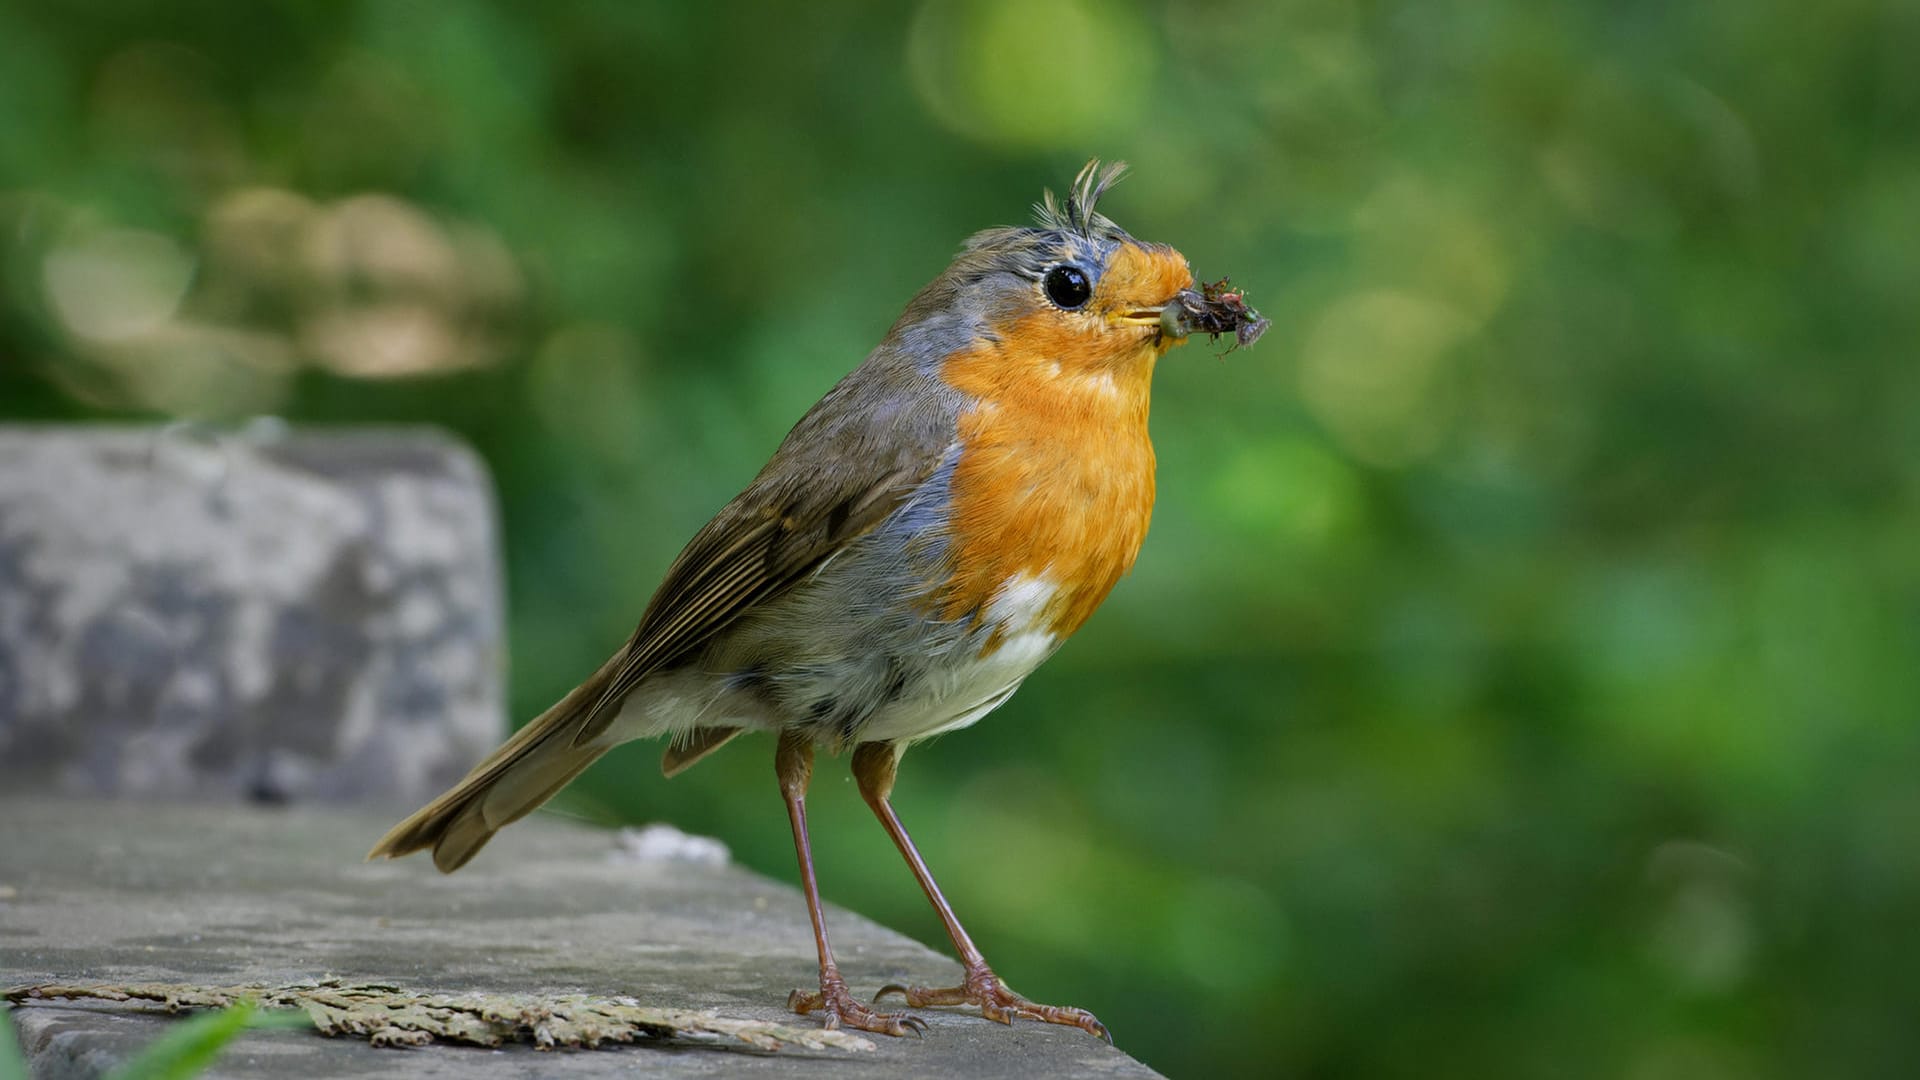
(928, 533)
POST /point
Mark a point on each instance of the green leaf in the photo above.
(13, 1061)
(192, 1046)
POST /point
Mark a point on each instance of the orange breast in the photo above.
(1055, 478)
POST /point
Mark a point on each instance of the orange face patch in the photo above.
(1138, 277)
(1055, 478)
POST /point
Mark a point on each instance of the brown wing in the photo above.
(836, 477)
(784, 525)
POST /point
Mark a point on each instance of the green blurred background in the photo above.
(1522, 675)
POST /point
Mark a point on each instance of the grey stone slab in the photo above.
(267, 614)
(133, 892)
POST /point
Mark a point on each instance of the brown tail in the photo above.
(511, 783)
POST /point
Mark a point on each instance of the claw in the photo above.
(803, 1003)
(997, 1003)
(839, 1007)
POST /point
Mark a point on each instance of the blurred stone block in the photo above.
(268, 615)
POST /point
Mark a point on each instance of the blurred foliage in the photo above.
(13, 1061)
(192, 1046)
(1522, 675)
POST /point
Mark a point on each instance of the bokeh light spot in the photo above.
(1418, 233)
(1290, 489)
(1009, 71)
(1227, 934)
(1373, 371)
(113, 284)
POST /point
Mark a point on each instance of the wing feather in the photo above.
(767, 540)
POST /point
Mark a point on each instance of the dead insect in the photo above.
(1214, 309)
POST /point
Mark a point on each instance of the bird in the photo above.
(925, 536)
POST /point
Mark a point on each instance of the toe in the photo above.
(838, 1008)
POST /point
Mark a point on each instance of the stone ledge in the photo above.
(142, 892)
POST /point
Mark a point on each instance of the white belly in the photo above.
(816, 666)
(967, 688)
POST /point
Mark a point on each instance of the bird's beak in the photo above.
(1170, 319)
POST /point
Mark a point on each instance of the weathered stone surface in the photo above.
(126, 892)
(274, 615)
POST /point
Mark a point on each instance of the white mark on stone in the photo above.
(664, 843)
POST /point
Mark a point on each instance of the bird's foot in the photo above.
(839, 1007)
(997, 1001)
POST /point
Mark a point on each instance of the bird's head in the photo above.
(1072, 289)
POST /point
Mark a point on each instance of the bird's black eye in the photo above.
(1067, 286)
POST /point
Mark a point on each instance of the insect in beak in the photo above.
(1211, 309)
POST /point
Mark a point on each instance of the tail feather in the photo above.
(519, 791)
(512, 782)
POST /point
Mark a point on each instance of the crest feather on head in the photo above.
(1079, 215)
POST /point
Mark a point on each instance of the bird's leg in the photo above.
(793, 763)
(874, 765)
